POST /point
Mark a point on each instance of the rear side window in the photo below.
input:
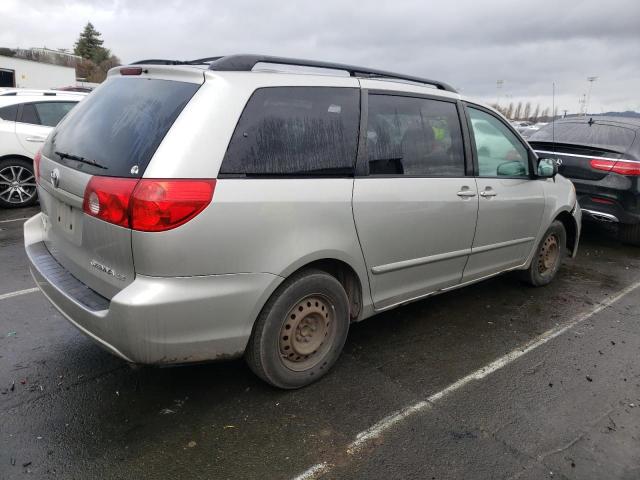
(9, 113)
(50, 113)
(119, 126)
(29, 114)
(414, 137)
(296, 131)
(608, 137)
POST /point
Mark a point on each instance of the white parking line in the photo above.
(14, 220)
(389, 421)
(18, 293)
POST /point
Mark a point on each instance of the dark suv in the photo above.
(601, 156)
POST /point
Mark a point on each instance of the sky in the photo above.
(528, 44)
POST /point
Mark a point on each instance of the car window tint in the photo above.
(413, 137)
(500, 152)
(609, 137)
(296, 131)
(29, 114)
(51, 113)
(120, 125)
(9, 113)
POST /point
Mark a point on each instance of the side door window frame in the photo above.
(531, 156)
(362, 164)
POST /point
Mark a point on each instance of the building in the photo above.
(21, 73)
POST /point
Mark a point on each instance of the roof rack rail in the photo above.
(245, 63)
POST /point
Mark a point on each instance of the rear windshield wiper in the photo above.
(80, 159)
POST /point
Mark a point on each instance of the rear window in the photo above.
(296, 131)
(119, 126)
(608, 137)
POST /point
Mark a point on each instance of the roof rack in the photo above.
(246, 63)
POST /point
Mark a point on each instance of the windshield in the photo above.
(116, 130)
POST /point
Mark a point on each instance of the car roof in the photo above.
(13, 92)
(629, 122)
(15, 96)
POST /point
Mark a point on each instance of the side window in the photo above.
(9, 113)
(51, 113)
(296, 131)
(414, 137)
(29, 114)
(500, 152)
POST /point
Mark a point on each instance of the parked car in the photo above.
(526, 129)
(204, 210)
(26, 118)
(601, 156)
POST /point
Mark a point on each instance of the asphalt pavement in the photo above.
(497, 380)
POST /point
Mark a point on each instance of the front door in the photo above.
(414, 208)
(511, 202)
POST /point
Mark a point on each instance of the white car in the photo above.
(26, 118)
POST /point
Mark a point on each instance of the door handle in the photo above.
(35, 139)
(488, 193)
(466, 193)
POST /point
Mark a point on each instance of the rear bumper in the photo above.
(156, 320)
(614, 199)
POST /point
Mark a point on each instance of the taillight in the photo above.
(108, 199)
(622, 167)
(148, 205)
(36, 166)
(158, 205)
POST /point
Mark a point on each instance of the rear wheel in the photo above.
(300, 332)
(630, 234)
(548, 257)
(17, 183)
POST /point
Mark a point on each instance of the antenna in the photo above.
(553, 117)
(588, 100)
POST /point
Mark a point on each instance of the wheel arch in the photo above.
(571, 227)
(344, 272)
(17, 156)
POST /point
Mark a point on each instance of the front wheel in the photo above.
(301, 330)
(548, 256)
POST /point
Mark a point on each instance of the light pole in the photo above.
(586, 107)
(499, 84)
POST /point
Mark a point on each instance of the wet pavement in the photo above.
(568, 409)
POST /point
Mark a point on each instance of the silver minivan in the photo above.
(256, 206)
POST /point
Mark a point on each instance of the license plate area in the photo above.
(67, 221)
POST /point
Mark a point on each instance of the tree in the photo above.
(544, 116)
(89, 45)
(536, 113)
(518, 111)
(96, 59)
(527, 111)
(509, 112)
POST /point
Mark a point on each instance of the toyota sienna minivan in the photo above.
(256, 206)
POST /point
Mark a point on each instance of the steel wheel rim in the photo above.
(549, 254)
(307, 333)
(17, 184)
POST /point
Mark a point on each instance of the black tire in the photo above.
(266, 355)
(630, 234)
(8, 167)
(543, 268)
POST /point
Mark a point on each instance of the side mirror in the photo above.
(547, 168)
